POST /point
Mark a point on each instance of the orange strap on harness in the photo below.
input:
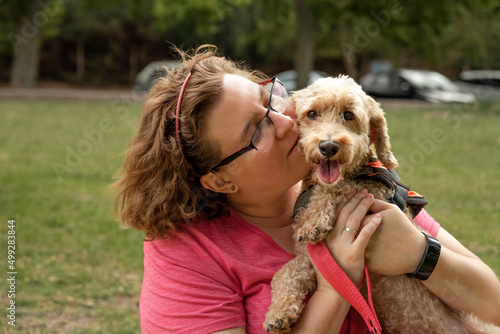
(402, 195)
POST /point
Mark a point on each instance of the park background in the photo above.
(78, 270)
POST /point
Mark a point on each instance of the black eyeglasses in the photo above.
(264, 133)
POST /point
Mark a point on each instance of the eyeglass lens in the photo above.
(278, 97)
(265, 132)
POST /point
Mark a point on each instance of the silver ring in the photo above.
(350, 230)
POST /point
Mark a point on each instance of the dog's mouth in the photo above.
(328, 171)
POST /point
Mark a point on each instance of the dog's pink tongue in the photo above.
(329, 171)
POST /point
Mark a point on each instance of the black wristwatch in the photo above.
(429, 259)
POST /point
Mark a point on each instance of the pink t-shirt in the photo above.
(215, 275)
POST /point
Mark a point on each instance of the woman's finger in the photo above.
(363, 223)
(353, 222)
(379, 205)
(346, 199)
(367, 231)
(346, 211)
(343, 212)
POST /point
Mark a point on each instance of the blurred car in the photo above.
(481, 77)
(288, 78)
(415, 84)
(484, 84)
(146, 78)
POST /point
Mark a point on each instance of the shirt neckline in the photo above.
(258, 231)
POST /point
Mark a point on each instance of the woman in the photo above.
(211, 177)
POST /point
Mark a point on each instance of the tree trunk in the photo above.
(304, 53)
(349, 52)
(350, 62)
(26, 43)
(80, 59)
(133, 63)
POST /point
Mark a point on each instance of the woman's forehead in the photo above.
(240, 96)
(233, 82)
(236, 107)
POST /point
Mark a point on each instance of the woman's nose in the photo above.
(284, 122)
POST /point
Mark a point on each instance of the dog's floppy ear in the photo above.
(378, 133)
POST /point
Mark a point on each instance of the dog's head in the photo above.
(338, 122)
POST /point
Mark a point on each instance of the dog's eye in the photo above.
(312, 114)
(348, 116)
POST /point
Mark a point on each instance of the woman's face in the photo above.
(232, 122)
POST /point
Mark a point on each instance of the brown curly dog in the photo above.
(338, 124)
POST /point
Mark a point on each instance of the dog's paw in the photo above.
(280, 318)
(280, 324)
(309, 236)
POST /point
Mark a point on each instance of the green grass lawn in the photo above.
(78, 271)
(451, 155)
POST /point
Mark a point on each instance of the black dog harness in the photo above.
(375, 171)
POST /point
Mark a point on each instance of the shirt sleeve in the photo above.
(427, 223)
(185, 290)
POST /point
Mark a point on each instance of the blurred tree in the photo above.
(24, 39)
(271, 39)
(260, 32)
(124, 24)
(204, 16)
(94, 42)
(398, 30)
(416, 27)
(306, 36)
(472, 39)
(26, 22)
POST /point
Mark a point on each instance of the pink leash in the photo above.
(332, 272)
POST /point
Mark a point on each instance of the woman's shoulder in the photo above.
(227, 241)
(197, 236)
(203, 233)
(232, 234)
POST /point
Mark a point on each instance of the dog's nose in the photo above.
(328, 148)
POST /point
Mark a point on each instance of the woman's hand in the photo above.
(348, 247)
(397, 246)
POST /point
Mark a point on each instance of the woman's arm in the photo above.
(325, 312)
(460, 278)
(464, 282)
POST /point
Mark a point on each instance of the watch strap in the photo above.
(429, 259)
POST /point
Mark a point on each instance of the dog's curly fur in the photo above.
(344, 114)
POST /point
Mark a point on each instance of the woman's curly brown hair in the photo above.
(160, 184)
